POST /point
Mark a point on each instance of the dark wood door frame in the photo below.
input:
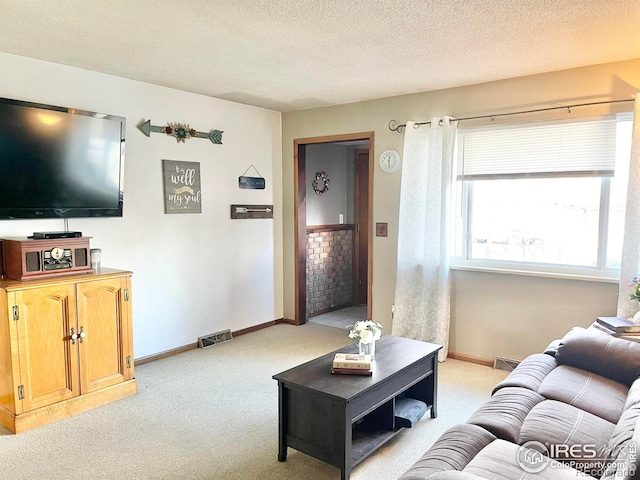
(300, 218)
(361, 217)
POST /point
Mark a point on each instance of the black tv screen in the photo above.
(59, 162)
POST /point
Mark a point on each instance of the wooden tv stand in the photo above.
(46, 376)
(341, 419)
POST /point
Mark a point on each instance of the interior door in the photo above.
(103, 318)
(299, 215)
(48, 359)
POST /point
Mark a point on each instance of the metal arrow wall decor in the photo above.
(181, 132)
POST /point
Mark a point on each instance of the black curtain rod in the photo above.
(394, 127)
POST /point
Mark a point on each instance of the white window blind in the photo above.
(580, 148)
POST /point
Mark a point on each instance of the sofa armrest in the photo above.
(552, 348)
(627, 461)
(529, 373)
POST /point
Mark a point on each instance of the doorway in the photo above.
(333, 243)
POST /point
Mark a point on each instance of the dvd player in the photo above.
(50, 235)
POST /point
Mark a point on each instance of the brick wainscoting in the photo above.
(330, 257)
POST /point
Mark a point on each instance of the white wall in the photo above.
(194, 274)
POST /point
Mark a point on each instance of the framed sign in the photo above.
(253, 183)
(181, 187)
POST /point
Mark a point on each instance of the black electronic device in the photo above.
(45, 235)
(58, 162)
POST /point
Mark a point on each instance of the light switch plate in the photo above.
(381, 229)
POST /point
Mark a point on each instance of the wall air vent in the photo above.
(505, 364)
(214, 339)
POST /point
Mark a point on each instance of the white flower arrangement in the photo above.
(365, 331)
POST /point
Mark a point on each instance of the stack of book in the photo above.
(619, 327)
(352, 364)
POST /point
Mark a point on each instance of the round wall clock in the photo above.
(390, 160)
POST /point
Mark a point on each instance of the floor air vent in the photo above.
(505, 364)
(214, 339)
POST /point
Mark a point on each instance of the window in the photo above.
(543, 197)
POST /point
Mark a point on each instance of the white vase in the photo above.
(636, 317)
(367, 349)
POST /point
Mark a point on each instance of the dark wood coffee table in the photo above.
(342, 419)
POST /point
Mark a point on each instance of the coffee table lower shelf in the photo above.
(364, 444)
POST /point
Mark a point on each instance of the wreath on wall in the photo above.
(320, 183)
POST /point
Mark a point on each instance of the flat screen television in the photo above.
(58, 162)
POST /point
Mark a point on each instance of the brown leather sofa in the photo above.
(571, 412)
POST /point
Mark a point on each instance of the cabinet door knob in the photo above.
(74, 336)
(82, 334)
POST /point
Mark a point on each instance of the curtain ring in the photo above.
(440, 122)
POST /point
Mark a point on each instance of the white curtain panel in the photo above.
(631, 247)
(422, 301)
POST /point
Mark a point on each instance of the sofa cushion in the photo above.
(586, 390)
(529, 373)
(559, 423)
(560, 426)
(611, 357)
(504, 413)
(499, 461)
(452, 451)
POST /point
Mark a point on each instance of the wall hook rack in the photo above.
(239, 212)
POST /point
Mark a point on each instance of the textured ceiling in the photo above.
(294, 54)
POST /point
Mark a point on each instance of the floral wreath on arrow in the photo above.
(180, 131)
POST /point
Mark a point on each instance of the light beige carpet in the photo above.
(213, 414)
